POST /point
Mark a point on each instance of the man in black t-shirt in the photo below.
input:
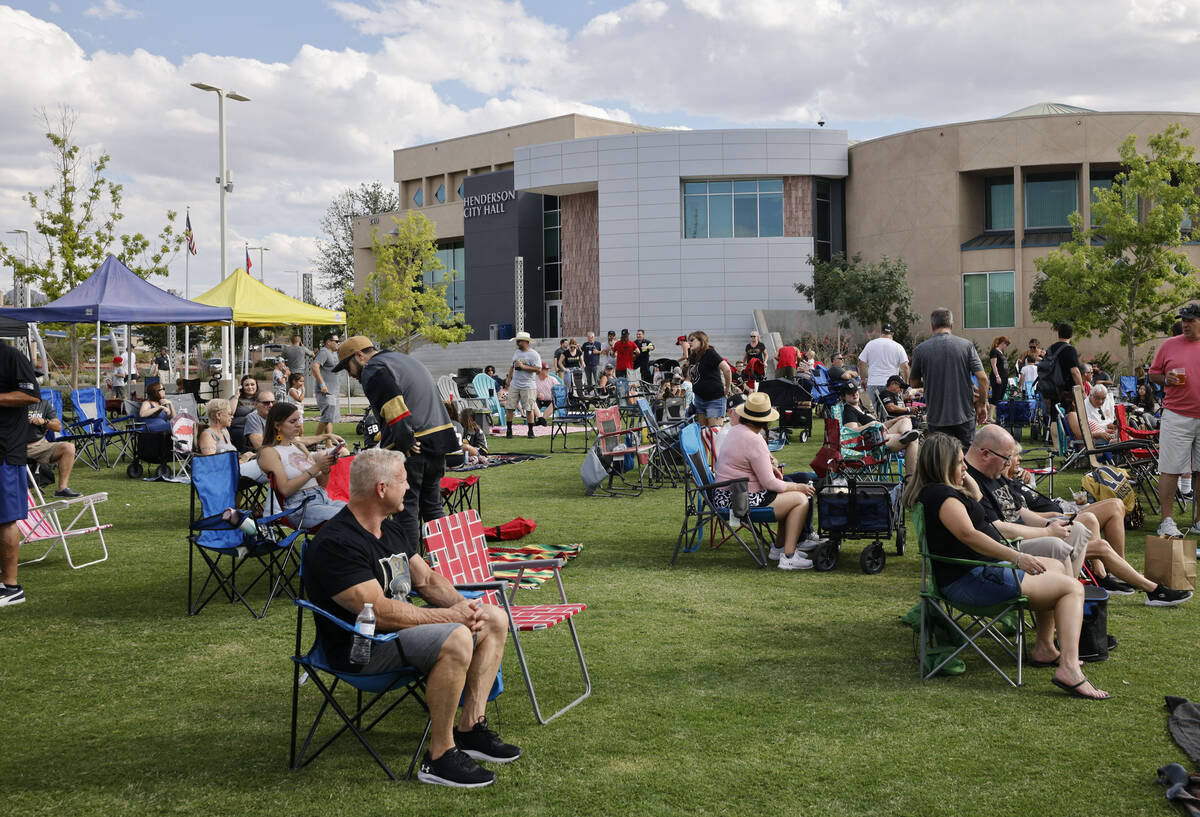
(18, 391)
(1072, 374)
(892, 398)
(591, 359)
(642, 361)
(361, 556)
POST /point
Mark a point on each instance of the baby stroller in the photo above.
(794, 403)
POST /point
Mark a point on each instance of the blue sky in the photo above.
(337, 86)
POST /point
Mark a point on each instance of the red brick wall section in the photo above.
(797, 206)
(580, 263)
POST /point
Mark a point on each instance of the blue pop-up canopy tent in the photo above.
(114, 294)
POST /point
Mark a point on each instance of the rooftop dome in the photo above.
(1047, 109)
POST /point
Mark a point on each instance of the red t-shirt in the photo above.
(626, 350)
(787, 356)
(1180, 353)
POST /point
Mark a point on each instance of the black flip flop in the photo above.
(1073, 690)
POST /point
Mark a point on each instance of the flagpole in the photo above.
(187, 295)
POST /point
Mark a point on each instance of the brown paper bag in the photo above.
(1171, 562)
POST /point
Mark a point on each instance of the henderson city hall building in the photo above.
(624, 226)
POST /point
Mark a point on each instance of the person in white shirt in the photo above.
(1101, 413)
(1028, 372)
(880, 359)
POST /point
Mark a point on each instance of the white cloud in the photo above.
(107, 9)
(328, 119)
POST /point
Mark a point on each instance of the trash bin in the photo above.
(493, 331)
(505, 331)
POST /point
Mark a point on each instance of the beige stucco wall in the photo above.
(919, 195)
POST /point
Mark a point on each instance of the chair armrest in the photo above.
(499, 585)
(380, 637)
(533, 564)
(972, 562)
(725, 483)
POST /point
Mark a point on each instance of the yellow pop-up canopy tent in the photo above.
(256, 304)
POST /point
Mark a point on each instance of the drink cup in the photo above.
(1180, 376)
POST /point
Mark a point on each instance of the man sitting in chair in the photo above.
(43, 418)
(361, 556)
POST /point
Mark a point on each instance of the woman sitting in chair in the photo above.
(156, 411)
(298, 475)
(744, 454)
(955, 528)
(242, 408)
(216, 439)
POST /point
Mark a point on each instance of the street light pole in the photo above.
(261, 270)
(27, 298)
(225, 181)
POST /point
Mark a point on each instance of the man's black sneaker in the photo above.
(1166, 597)
(508, 433)
(482, 743)
(454, 768)
(1115, 586)
(66, 493)
(530, 432)
(11, 594)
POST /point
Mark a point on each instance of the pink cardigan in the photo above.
(744, 454)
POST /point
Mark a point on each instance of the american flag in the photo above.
(248, 263)
(191, 239)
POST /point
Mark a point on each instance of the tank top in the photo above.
(222, 442)
(296, 462)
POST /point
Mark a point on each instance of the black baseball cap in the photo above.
(886, 329)
(1190, 312)
(897, 379)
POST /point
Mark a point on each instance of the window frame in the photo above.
(1035, 178)
(987, 275)
(730, 195)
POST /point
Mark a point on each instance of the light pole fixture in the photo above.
(225, 182)
(27, 298)
(261, 269)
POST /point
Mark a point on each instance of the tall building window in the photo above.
(440, 194)
(733, 208)
(823, 219)
(551, 248)
(419, 197)
(452, 254)
(998, 203)
(1049, 199)
(989, 300)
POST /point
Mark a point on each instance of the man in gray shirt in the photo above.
(296, 356)
(943, 366)
(522, 382)
(328, 382)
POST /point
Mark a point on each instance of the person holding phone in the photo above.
(299, 474)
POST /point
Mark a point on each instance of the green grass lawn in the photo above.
(719, 688)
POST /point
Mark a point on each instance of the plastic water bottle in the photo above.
(364, 625)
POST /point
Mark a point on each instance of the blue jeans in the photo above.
(985, 585)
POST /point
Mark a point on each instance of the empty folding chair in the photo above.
(485, 389)
(619, 448)
(91, 414)
(665, 459)
(461, 494)
(569, 411)
(226, 548)
(458, 550)
(43, 523)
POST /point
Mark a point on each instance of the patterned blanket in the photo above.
(514, 552)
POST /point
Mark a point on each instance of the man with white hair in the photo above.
(362, 556)
(1101, 414)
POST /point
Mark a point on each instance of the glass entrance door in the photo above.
(553, 318)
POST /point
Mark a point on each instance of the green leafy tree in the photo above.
(78, 218)
(396, 304)
(1126, 272)
(335, 251)
(869, 294)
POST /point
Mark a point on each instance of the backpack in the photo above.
(1106, 482)
(1050, 380)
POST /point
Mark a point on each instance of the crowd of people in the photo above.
(962, 468)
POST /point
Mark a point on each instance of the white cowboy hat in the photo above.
(522, 336)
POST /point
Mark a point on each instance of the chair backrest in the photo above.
(457, 549)
(55, 398)
(214, 486)
(35, 525)
(1085, 429)
(693, 454)
(648, 415)
(447, 388)
(559, 393)
(608, 421)
(339, 479)
(89, 405)
(484, 386)
(1128, 384)
(674, 408)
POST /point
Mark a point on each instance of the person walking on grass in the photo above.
(18, 391)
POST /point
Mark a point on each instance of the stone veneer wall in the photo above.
(797, 206)
(580, 263)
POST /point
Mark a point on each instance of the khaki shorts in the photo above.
(523, 399)
(41, 451)
(1178, 444)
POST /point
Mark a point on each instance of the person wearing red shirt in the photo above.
(626, 351)
(785, 362)
(1177, 367)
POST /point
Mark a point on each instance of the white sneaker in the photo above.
(795, 562)
(1169, 529)
(811, 543)
(775, 553)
